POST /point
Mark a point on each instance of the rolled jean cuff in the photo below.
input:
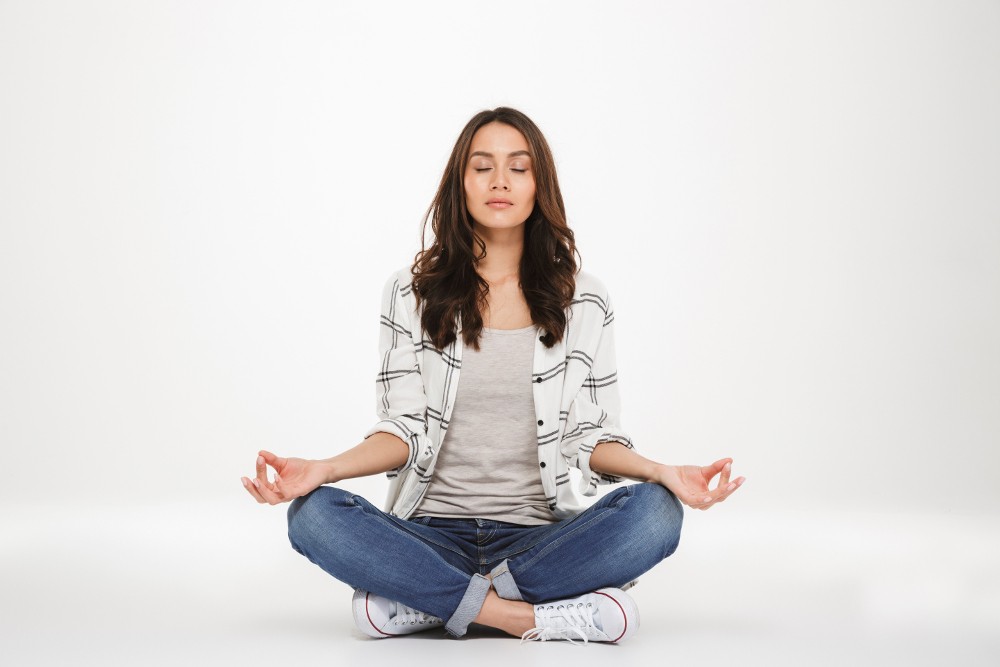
(503, 582)
(470, 605)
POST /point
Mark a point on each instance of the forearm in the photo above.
(614, 458)
(376, 454)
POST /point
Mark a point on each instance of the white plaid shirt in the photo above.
(574, 384)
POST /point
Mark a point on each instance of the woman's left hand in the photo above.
(690, 483)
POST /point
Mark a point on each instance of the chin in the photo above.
(504, 222)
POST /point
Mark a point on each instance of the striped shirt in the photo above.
(574, 388)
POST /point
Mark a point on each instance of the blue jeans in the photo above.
(438, 565)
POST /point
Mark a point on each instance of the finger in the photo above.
(701, 505)
(252, 490)
(267, 494)
(277, 485)
(711, 471)
(262, 473)
(729, 490)
(727, 470)
(276, 462)
(695, 500)
(722, 492)
(735, 484)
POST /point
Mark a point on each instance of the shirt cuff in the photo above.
(592, 479)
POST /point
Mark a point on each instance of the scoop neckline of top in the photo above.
(511, 331)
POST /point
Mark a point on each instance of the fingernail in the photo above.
(732, 486)
(256, 483)
(277, 478)
(260, 460)
(707, 499)
(243, 481)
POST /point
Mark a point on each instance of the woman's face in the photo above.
(499, 181)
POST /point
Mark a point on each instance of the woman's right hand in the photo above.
(292, 478)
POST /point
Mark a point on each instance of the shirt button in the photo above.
(542, 464)
(538, 379)
(540, 422)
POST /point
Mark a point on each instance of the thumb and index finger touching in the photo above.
(714, 469)
(273, 460)
(725, 485)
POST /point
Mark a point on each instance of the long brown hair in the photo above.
(444, 275)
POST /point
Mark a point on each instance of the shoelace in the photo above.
(412, 616)
(562, 622)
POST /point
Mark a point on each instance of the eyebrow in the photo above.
(485, 154)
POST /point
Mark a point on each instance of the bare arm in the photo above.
(376, 454)
(688, 483)
(614, 458)
(295, 477)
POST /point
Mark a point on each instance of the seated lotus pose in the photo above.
(499, 412)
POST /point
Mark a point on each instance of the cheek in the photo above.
(471, 185)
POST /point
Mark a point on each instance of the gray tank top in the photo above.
(487, 467)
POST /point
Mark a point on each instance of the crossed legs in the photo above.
(621, 536)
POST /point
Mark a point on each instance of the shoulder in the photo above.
(587, 282)
(401, 275)
(397, 291)
(399, 280)
(591, 290)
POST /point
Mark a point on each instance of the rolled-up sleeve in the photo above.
(400, 401)
(595, 413)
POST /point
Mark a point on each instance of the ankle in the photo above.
(512, 616)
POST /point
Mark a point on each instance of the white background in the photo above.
(201, 201)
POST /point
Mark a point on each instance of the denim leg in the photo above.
(366, 548)
(611, 543)
(503, 582)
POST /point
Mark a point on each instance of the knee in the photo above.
(307, 515)
(664, 515)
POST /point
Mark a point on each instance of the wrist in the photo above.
(661, 472)
(330, 472)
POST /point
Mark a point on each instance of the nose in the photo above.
(499, 181)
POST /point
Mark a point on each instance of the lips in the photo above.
(499, 203)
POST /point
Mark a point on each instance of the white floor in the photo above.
(217, 584)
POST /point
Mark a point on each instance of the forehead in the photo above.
(499, 139)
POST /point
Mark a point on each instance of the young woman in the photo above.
(499, 408)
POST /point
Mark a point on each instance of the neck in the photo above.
(504, 248)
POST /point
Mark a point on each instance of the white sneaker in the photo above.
(379, 617)
(607, 615)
